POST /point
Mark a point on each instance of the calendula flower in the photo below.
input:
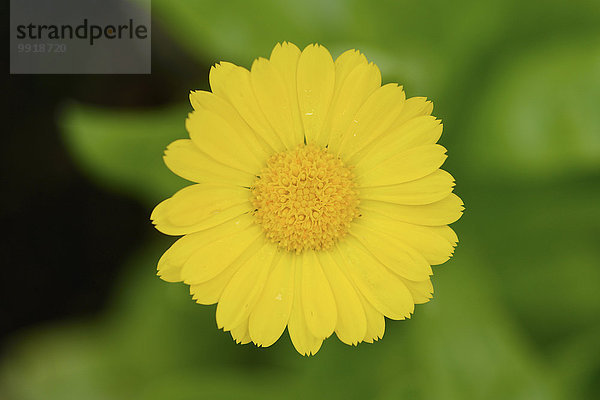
(319, 202)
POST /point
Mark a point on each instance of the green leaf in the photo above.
(122, 150)
(538, 117)
(540, 242)
(155, 342)
(419, 45)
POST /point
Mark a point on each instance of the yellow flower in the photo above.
(319, 204)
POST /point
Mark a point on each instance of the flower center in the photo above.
(305, 198)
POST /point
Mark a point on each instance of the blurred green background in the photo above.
(516, 311)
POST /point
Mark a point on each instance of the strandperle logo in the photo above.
(80, 37)
(89, 32)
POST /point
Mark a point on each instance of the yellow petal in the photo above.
(172, 261)
(391, 251)
(316, 78)
(375, 321)
(317, 299)
(284, 58)
(188, 161)
(232, 83)
(445, 211)
(218, 253)
(244, 289)
(424, 239)
(373, 118)
(201, 206)
(381, 287)
(416, 132)
(414, 107)
(346, 63)
(210, 292)
(429, 189)
(351, 325)
(404, 167)
(218, 138)
(240, 333)
(275, 86)
(253, 143)
(353, 91)
(303, 340)
(447, 233)
(421, 291)
(272, 311)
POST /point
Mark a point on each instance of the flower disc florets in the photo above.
(305, 198)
